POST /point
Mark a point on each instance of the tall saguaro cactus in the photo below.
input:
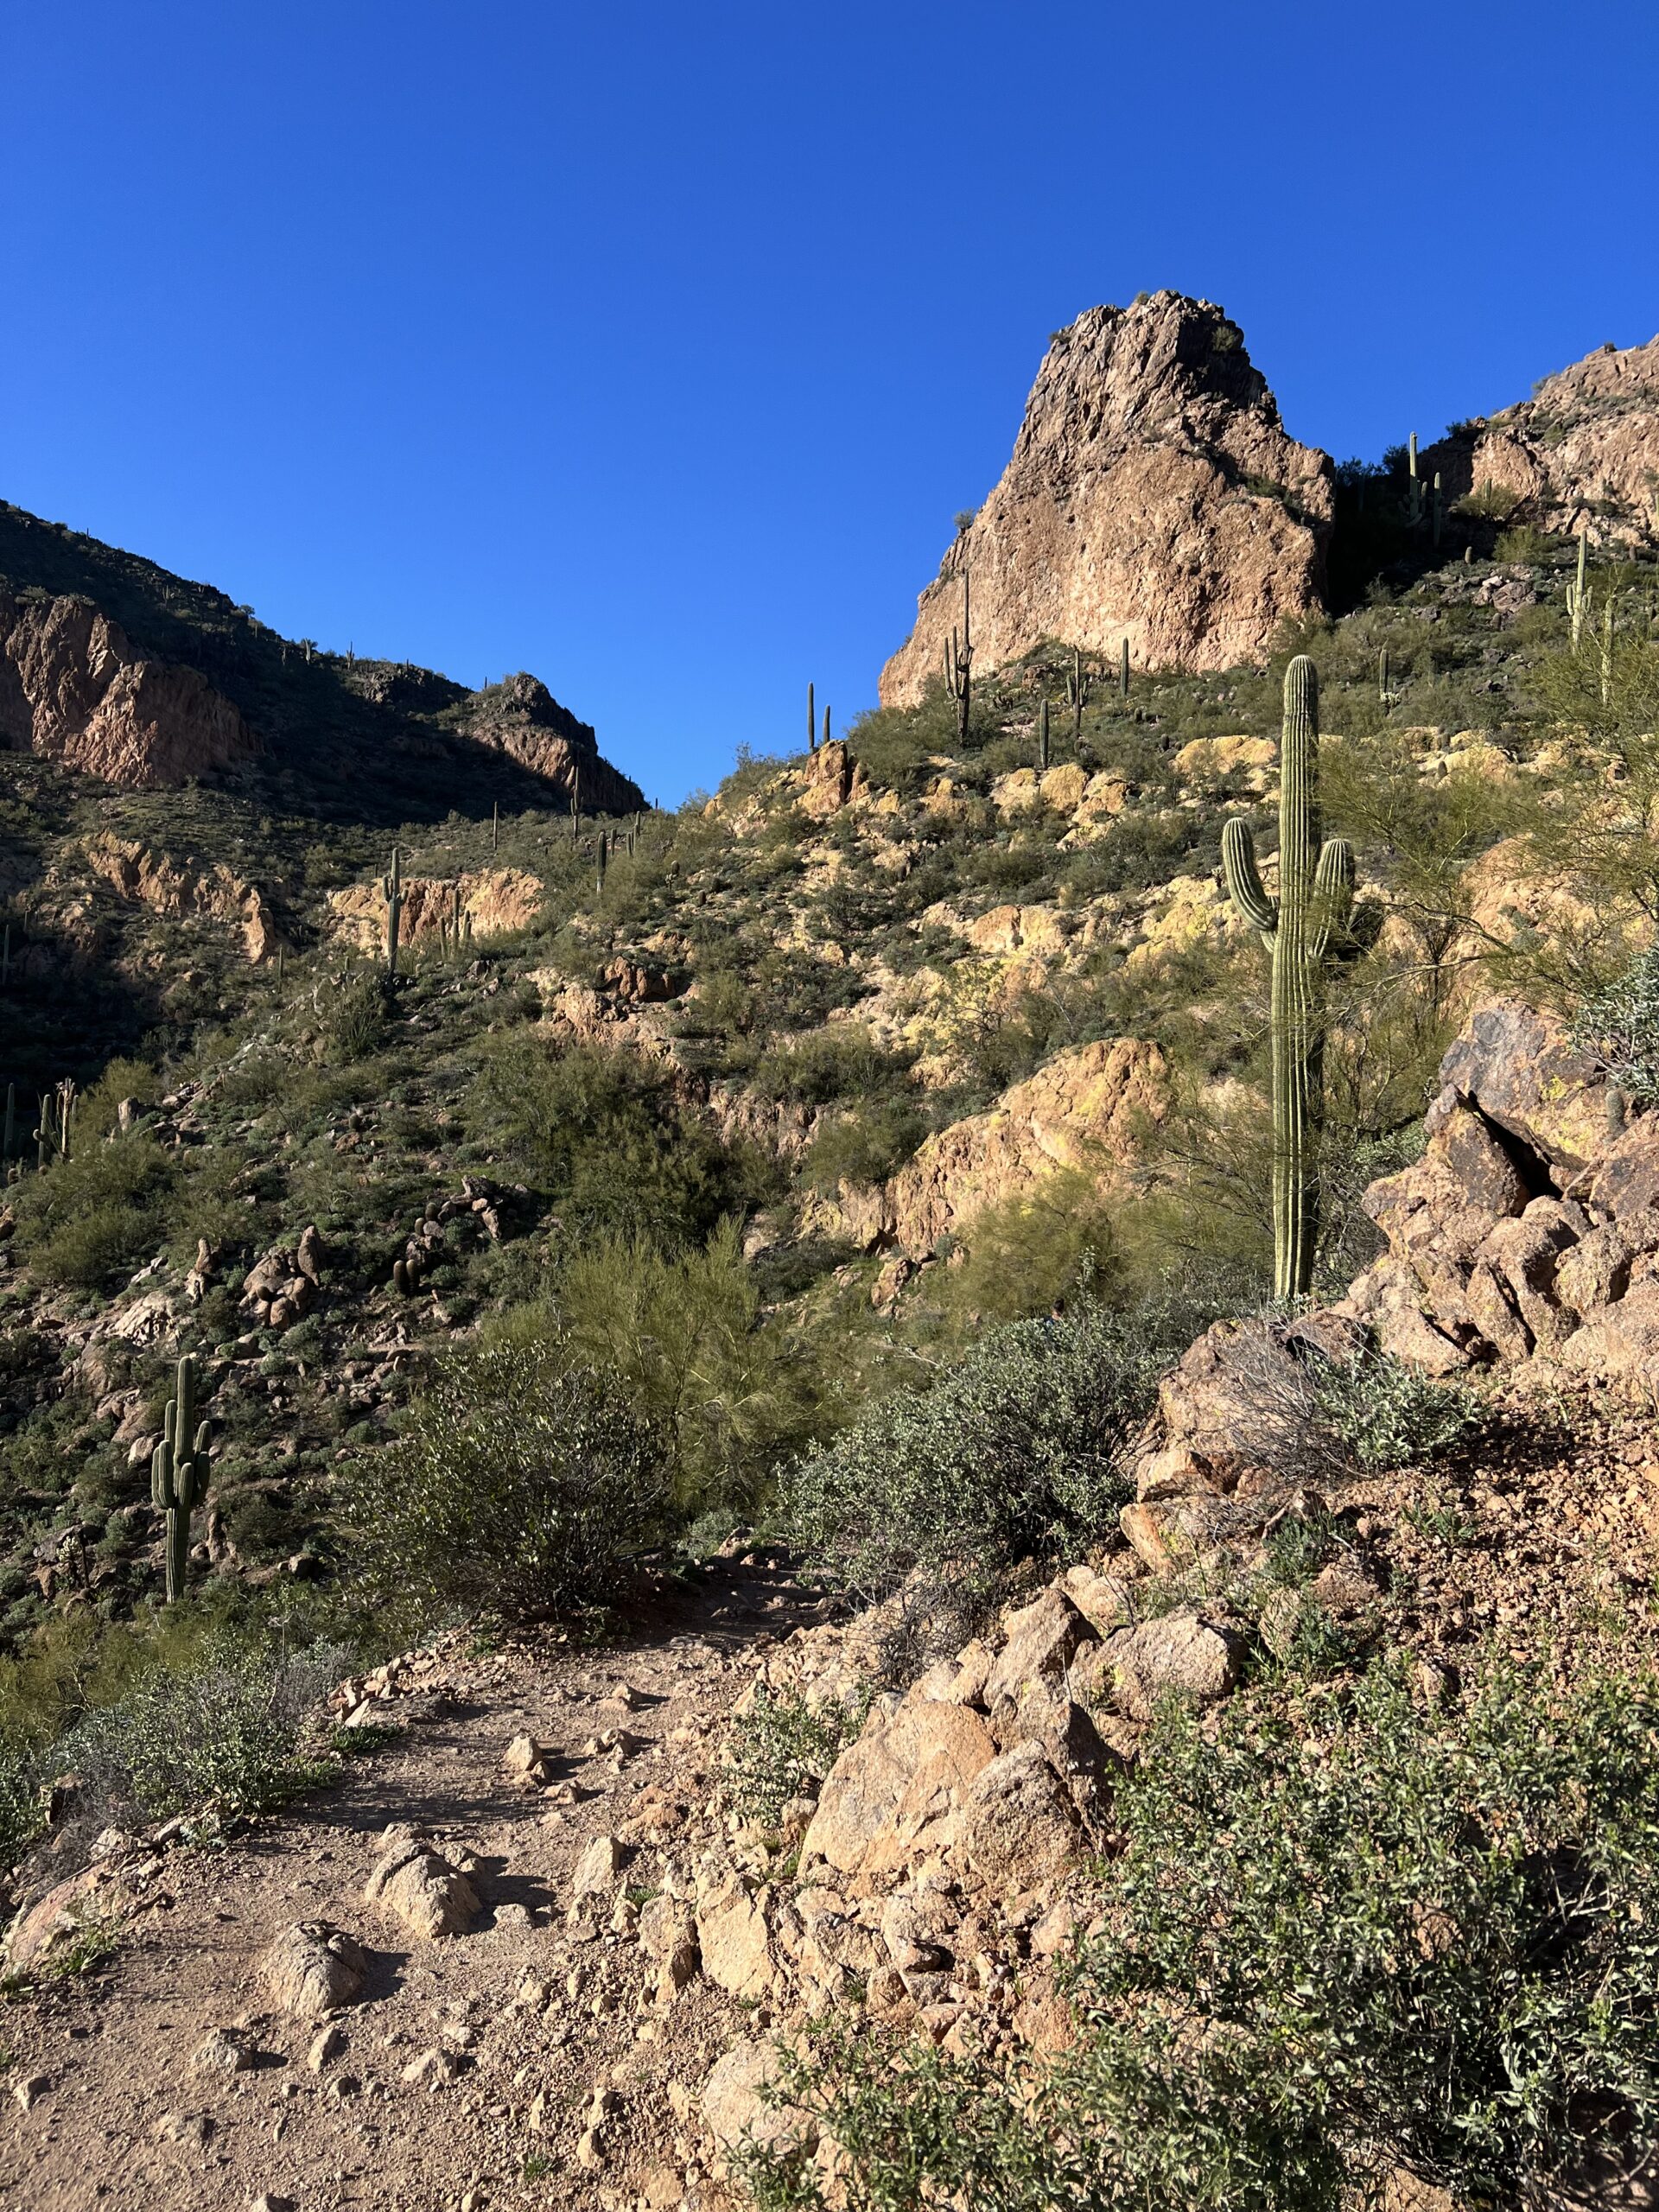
(177, 1468)
(958, 664)
(1078, 685)
(1314, 896)
(392, 890)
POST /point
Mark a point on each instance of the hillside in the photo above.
(754, 1486)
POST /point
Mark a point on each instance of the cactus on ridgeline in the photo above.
(1414, 488)
(1078, 685)
(1042, 739)
(1297, 927)
(392, 890)
(958, 664)
(825, 739)
(177, 1468)
(1439, 507)
(811, 720)
(1578, 595)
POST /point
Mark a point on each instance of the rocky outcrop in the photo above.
(183, 890)
(1153, 495)
(1080, 1111)
(521, 717)
(74, 690)
(1581, 454)
(496, 901)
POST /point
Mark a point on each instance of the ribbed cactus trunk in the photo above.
(176, 1469)
(1315, 889)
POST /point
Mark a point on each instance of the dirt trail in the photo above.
(510, 2031)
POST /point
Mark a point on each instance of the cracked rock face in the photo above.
(1153, 495)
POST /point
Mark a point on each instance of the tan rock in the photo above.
(1175, 1655)
(903, 1777)
(1018, 1827)
(311, 1967)
(74, 690)
(667, 1935)
(499, 901)
(734, 1939)
(183, 890)
(1153, 494)
(735, 2107)
(1515, 1063)
(1621, 1343)
(413, 1880)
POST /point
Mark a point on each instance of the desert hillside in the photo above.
(933, 1483)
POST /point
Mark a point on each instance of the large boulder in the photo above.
(899, 1783)
(1153, 495)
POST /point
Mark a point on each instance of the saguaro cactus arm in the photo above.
(1245, 879)
(1333, 894)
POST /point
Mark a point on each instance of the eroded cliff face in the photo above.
(1581, 454)
(521, 718)
(74, 689)
(1153, 495)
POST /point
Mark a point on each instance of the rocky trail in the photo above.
(533, 2055)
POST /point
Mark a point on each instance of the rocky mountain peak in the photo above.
(1153, 494)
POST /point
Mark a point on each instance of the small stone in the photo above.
(311, 1967)
(266, 2202)
(590, 2154)
(192, 2128)
(514, 1916)
(220, 2053)
(597, 1868)
(325, 2049)
(27, 2092)
(433, 2066)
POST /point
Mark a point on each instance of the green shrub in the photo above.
(221, 1732)
(1378, 1935)
(864, 1146)
(94, 1218)
(355, 1019)
(520, 1482)
(1618, 1027)
(1013, 1453)
(782, 1747)
(1387, 1413)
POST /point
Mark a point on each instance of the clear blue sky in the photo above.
(652, 346)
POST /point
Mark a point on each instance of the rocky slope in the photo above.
(1581, 454)
(116, 669)
(1153, 494)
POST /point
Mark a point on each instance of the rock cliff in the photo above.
(1582, 453)
(1153, 495)
(521, 718)
(74, 689)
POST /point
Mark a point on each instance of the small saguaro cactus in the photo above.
(1078, 685)
(1042, 737)
(177, 1469)
(825, 739)
(1123, 671)
(576, 805)
(1414, 489)
(56, 1125)
(811, 720)
(958, 665)
(1382, 690)
(495, 827)
(392, 890)
(1439, 507)
(1314, 896)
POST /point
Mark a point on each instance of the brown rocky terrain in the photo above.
(1153, 494)
(1581, 454)
(74, 689)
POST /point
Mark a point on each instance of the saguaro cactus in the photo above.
(1078, 685)
(958, 665)
(1042, 737)
(1313, 900)
(811, 720)
(177, 1469)
(1578, 596)
(1123, 671)
(392, 890)
(1415, 488)
(56, 1125)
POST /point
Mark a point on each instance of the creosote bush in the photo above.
(1013, 1453)
(521, 1480)
(1365, 1935)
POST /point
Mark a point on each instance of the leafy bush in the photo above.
(1389, 1415)
(865, 1146)
(1013, 1451)
(521, 1481)
(1382, 1935)
(1618, 1027)
(220, 1733)
(354, 1019)
(781, 1745)
(93, 1218)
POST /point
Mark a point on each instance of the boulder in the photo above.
(311, 1967)
(1018, 1827)
(736, 2108)
(905, 1775)
(1515, 1063)
(1176, 1654)
(734, 1939)
(414, 1880)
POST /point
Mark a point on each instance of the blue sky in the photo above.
(653, 348)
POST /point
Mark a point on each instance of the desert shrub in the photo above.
(95, 1217)
(863, 1146)
(1387, 1413)
(782, 1747)
(1618, 1027)
(1378, 1935)
(519, 1482)
(221, 1732)
(1013, 1451)
(22, 1801)
(354, 1019)
(841, 1060)
(1032, 1255)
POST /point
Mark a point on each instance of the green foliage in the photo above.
(782, 1747)
(1013, 1451)
(1387, 1413)
(1618, 1027)
(1369, 1934)
(354, 1019)
(520, 1481)
(865, 1146)
(95, 1217)
(1029, 1256)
